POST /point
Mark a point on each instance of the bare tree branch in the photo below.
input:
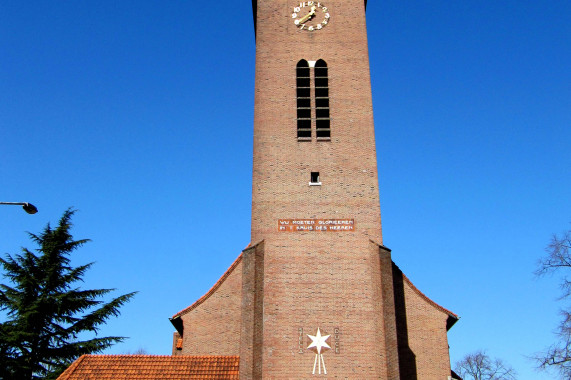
(557, 255)
(558, 260)
(479, 366)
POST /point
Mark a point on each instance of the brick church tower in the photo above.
(316, 293)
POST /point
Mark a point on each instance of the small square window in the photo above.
(314, 179)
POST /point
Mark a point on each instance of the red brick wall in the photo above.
(252, 331)
(328, 280)
(427, 336)
(421, 330)
(282, 165)
(300, 281)
(389, 316)
(213, 327)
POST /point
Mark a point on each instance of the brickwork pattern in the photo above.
(389, 315)
(251, 346)
(343, 283)
(282, 164)
(317, 280)
(325, 282)
(422, 334)
(212, 327)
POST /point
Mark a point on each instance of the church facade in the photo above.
(316, 293)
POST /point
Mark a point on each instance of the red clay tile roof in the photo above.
(151, 367)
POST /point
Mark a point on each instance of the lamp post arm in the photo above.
(28, 207)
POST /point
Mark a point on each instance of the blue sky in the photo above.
(140, 115)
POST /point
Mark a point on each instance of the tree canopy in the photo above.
(47, 314)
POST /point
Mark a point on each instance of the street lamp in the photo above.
(28, 207)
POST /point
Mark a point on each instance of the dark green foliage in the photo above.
(46, 311)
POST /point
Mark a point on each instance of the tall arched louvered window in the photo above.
(322, 120)
(303, 100)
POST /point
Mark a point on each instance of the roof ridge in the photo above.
(153, 367)
(155, 356)
(69, 371)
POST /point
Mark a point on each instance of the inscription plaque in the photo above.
(316, 225)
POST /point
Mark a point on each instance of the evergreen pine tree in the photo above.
(46, 311)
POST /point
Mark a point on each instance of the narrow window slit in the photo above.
(303, 92)
(322, 118)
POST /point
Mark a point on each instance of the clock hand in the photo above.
(305, 18)
(308, 16)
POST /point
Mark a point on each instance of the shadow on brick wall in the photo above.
(407, 358)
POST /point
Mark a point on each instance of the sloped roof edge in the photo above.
(215, 286)
(67, 373)
(212, 290)
(452, 317)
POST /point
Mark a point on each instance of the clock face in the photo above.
(310, 16)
